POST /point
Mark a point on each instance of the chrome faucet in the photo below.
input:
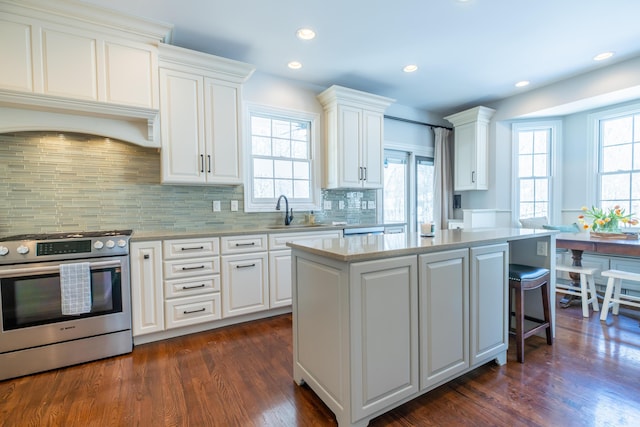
(287, 217)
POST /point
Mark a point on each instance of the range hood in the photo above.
(20, 111)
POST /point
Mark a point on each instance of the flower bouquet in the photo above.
(606, 222)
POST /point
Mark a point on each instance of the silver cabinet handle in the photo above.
(246, 244)
(365, 173)
(473, 176)
(201, 163)
(192, 249)
(246, 265)
(209, 160)
(192, 268)
(193, 311)
(194, 287)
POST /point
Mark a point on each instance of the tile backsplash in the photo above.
(79, 182)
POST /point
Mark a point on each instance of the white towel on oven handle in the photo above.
(75, 288)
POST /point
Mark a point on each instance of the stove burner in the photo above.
(62, 236)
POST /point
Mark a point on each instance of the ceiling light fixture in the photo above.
(602, 56)
(410, 68)
(305, 34)
(522, 83)
(294, 65)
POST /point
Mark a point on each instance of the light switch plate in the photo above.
(327, 205)
(234, 205)
(216, 205)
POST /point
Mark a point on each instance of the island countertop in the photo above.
(369, 247)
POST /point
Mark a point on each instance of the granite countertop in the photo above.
(141, 236)
(369, 247)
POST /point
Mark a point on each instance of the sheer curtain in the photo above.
(443, 182)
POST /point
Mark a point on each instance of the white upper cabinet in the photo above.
(96, 69)
(201, 101)
(471, 148)
(354, 137)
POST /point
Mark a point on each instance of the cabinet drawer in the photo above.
(243, 244)
(192, 310)
(190, 248)
(194, 286)
(280, 240)
(175, 269)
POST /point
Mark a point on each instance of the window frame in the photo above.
(555, 181)
(595, 151)
(315, 160)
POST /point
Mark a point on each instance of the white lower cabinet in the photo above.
(245, 276)
(146, 287)
(444, 300)
(192, 281)
(489, 301)
(384, 333)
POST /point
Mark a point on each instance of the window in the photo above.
(396, 189)
(619, 161)
(281, 147)
(424, 190)
(534, 148)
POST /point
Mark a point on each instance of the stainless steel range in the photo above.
(65, 299)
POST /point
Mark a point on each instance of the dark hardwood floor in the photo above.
(241, 376)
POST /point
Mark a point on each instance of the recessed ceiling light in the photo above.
(294, 65)
(522, 83)
(305, 34)
(410, 68)
(602, 56)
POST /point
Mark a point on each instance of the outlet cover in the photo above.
(327, 205)
(371, 204)
(216, 205)
(541, 249)
(234, 205)
(341, 204)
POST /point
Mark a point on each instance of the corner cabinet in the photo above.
(354, 137)
(471, 148)
(200, 112)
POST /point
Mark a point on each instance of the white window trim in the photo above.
(555, 199)
(315, 162)
(593, 153)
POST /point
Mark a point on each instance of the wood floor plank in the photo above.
(242, 376)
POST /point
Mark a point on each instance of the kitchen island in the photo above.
(380, 319)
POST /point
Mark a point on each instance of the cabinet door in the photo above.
(221, 130)
(15, 43)
(279, 278)
(372, 149)
(349, 141)
(489, 298)
(444, 315)
(59, 50)
(464, 173)
(244, 284)
(146, 287)
(130, 72)
(182, 125)
(384, 333)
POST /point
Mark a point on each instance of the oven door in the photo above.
(31, 313)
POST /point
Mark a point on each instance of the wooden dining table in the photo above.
(578, 243)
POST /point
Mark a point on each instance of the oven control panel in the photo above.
(64, 247)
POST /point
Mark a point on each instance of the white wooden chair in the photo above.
(612, 295)
(587, 289)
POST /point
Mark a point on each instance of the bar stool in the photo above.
(526, 278)
(587, 286)
(613, 297)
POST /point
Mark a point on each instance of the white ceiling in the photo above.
(469, 53)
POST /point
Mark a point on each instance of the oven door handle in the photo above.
(54, 268)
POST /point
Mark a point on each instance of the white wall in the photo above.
(569, 100)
